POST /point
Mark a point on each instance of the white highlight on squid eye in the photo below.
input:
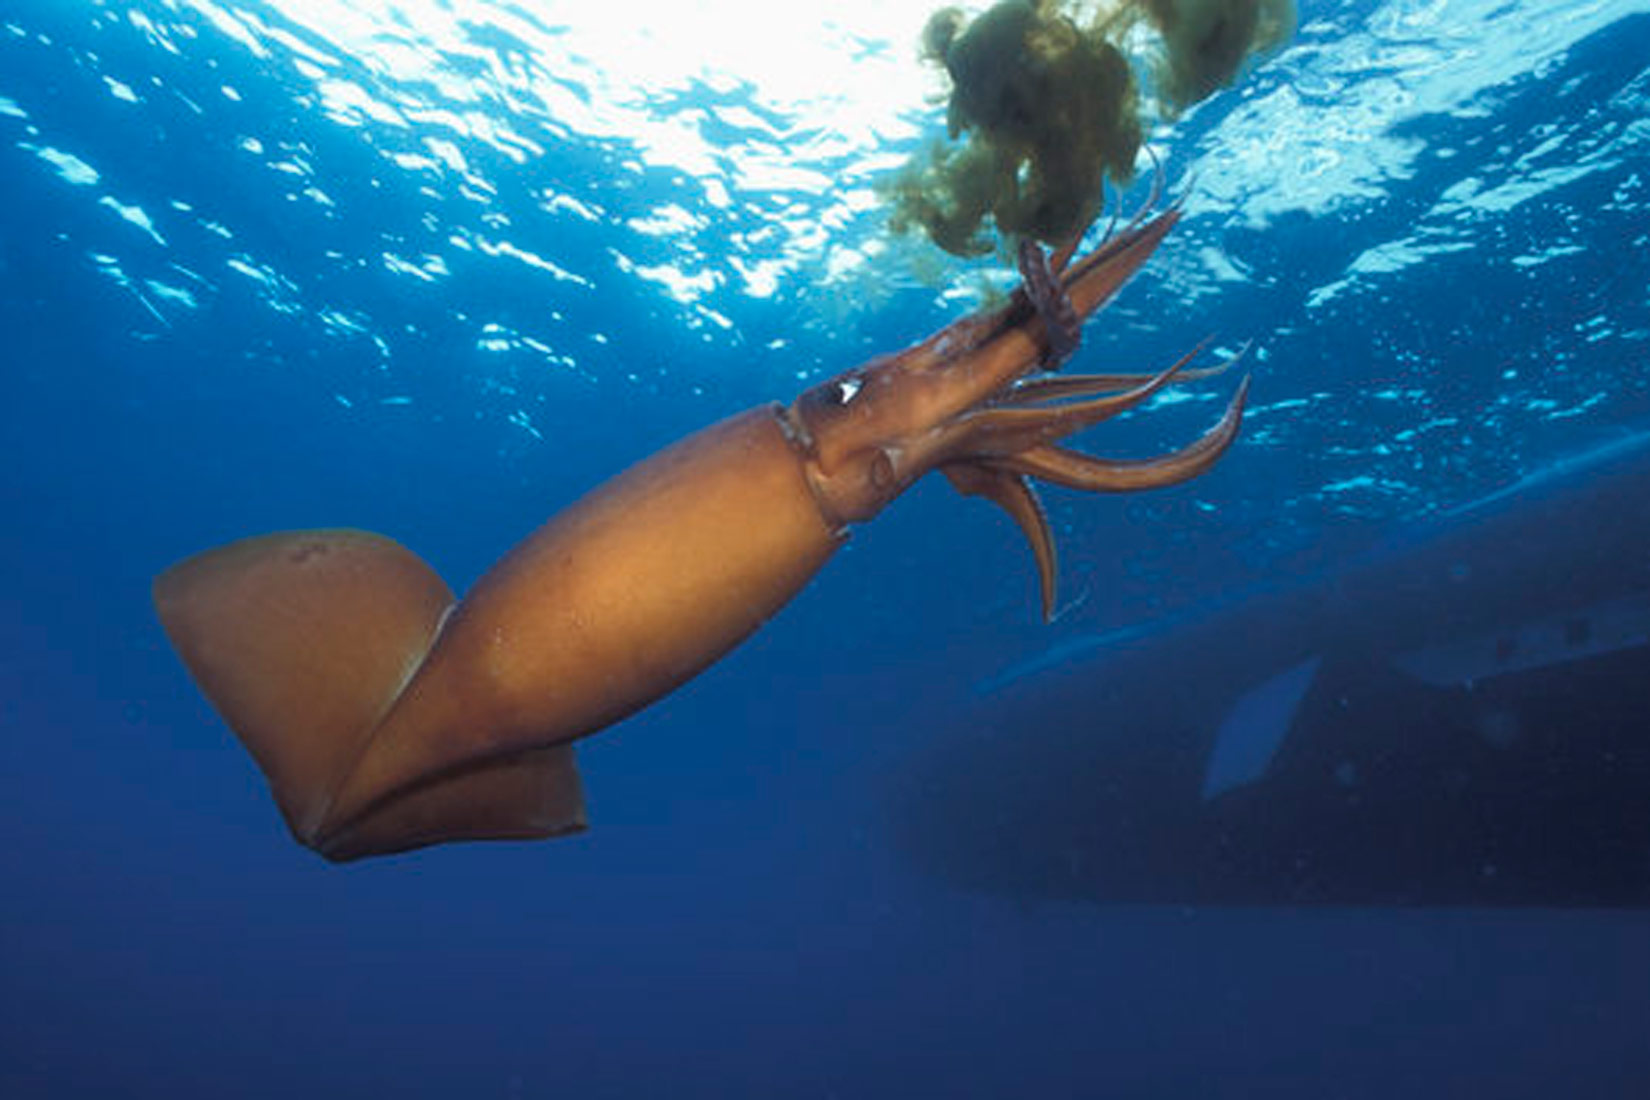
(848, 389)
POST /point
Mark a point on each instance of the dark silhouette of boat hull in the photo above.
(1459, 717)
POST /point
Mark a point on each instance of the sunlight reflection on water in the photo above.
(751, 105)
(1410, 180)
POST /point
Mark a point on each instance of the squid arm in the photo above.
(387, 715)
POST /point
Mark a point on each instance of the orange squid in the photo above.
(388, 715)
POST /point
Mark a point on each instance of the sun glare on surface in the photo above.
(790, 110)
(857, 57)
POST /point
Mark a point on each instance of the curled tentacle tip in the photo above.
(1225, 364)
(1230, 420)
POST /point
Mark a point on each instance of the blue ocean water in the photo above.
(436, 268)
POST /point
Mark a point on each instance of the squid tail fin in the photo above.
(304, 641)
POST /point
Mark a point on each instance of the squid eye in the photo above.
(848, 389)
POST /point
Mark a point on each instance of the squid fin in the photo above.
(1014, 495)
(526, 796)
(303, 641)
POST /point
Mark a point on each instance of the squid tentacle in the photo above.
(1040, 277)
(1151, 199)
(999, 428)
(1013, 494)
(1074, 470)
(1052, 387)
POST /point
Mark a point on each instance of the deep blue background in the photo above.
(733, 924)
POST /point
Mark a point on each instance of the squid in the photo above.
(388, 715)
